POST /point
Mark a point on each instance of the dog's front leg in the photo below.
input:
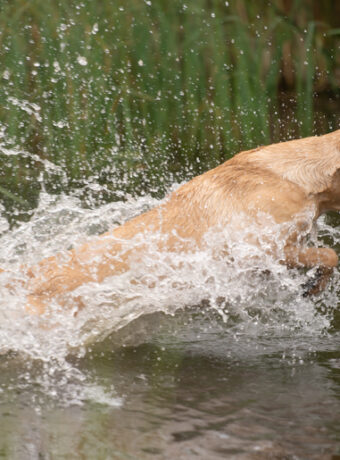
(325, 259)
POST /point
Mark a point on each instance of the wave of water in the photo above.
(250, 301)
(247, 299)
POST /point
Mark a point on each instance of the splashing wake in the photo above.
(248, 299)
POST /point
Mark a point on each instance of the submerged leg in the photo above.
(317, 283)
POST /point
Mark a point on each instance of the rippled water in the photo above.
(215, 361)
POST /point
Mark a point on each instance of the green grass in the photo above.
(134, 93)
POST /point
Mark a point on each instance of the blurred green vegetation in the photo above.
(136, 94)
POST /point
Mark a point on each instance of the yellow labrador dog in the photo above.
(287, 184)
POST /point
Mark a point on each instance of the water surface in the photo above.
(252, 371)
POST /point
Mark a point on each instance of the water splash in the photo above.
(252, 299)
(248, 299)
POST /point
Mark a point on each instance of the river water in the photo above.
(238, 364)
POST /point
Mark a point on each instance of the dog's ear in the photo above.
(310, 163)
(324, 161)
(323, 176)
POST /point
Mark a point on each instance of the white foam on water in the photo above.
(260, 292)
(254, 295)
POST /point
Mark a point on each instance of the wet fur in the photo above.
(292, 182)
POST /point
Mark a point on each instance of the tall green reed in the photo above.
(134, 93)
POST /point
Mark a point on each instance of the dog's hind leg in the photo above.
(325, 259)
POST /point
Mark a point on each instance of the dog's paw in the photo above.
(315, 284)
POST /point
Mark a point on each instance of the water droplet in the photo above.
(82, 60)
